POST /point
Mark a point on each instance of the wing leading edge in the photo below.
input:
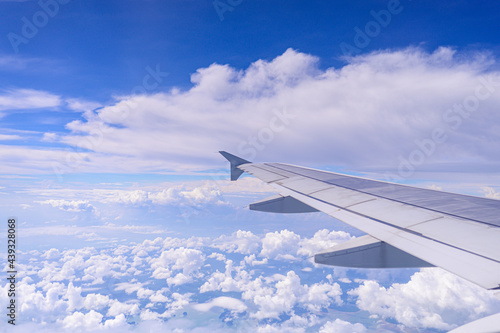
(407, 226)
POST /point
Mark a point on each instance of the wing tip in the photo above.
(234, 161)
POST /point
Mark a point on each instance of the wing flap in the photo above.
(368, 252)
(463, 234)
(281, 204)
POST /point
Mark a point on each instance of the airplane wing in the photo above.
(405, 226)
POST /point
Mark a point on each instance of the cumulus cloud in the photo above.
(289, 291)
(70, 205)
(322, 240)
(283, 244)
(173, 195)
(244, 242)
(229, 303)
(341, 326)
(280, 245)
(371, 112)
(77, 320)
(187, 260)
(432, 298)
(344, 106)
(194, 283)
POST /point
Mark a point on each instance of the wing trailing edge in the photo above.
(281, 204)
(368, 252)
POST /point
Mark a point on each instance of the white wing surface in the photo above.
(406, 226)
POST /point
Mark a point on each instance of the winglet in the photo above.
(235, 161)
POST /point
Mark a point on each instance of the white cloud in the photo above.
(490, 192)
(159, 297)
(289, 292)
(50, 137)
(118, 321)
(187, 260)
(129, 287)
(179, 279)
(118, 308)
(357, 109)
(77, 320)
(432, 298)
(82, 105)
(343, 106)
(15, 99)
(322, 240)
(173, 195)
(179, 302)
(244, 242)
(74, 297)
(341, 326)
(70, 205)
(217, 256)
(90, 232)
(51, 254)
(280, 245)
(8, 137)
(91, 289)
(224, 302)
(96, 301)
(251, 260)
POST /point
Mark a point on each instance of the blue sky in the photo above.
(112, 113)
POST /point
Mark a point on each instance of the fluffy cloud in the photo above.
(193, 195)
(280, 245)
(432, 298)
(200, 282)
(222, 302)
(187, 260)
(341, 326)
(244, 242)
(322, 240)
(370, 111)
(70, 205)
(289, 292)
(77, 320)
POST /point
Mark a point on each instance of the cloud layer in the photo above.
(204, 284)
(378, 111)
